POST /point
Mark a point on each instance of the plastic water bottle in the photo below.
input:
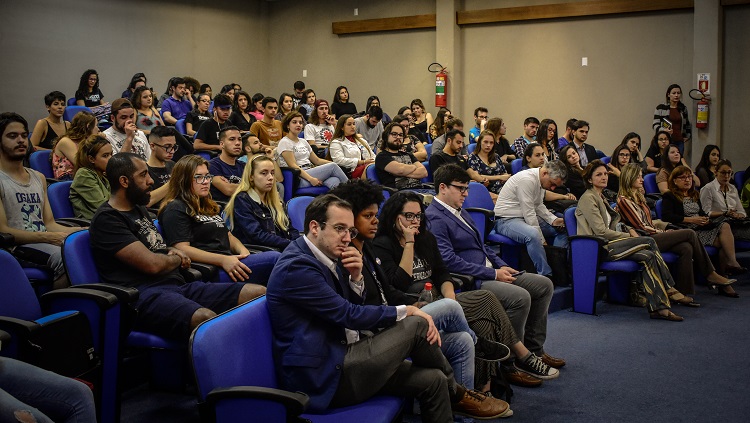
(425, 297)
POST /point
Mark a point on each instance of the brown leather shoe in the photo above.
(518, 378)
(552, 361)
(481, 406)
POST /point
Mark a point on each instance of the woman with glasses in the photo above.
(410, 258)
(706, 169)
(198, 115)
(631, 204)
(621, 156)
(657, 151)
(633, 141)
(147, 116)
(681, 206)
(595, 217)
(720, 198)
(90, 187)
(191, 222)
(255, 211)
(669, 161)
(547, 138)
(296, 153)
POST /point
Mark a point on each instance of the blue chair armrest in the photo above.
(488, 213)
(18, 330)
(72, 222)
(294, 403)
(124, 294)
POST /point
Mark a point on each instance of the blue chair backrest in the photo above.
(657, 208)
(606, 159)
(206, 155)
(479, 197)
(40, 161)
(738, 176)
(373, 175)
(600, 153)
(72, 101)
(471, 147)
(243, 333)
(296, 208)
(59, 200)
(71, 111)
(570, 221)
(428, 148)
(516, 165)
(649, 184)
(18, 299)
(180, 126)
(79, 259)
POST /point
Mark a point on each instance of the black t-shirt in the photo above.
(440, 158)
(240, 122)
(90, 100)
(502, 148)
(196, 119)
(390, 180)
(341, 109)
(233, 174)
(207, 233)
(111, 231)
(209, 131)
(161, 175)
(655, 155)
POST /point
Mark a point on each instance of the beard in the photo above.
(15, 153)
(136, 195)
(393, 146)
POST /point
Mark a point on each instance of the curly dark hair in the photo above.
(360, 193)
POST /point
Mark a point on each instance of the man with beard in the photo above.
(252, 146)
(25, 211)
(129, 251)
(225, 168)
(370, 125)
(397, 169)
(178, 105)
(123, 135)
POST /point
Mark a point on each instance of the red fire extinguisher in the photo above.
(441, 86)
(701, 117)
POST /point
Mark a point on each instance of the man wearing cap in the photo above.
(123, 134)
(207, 137)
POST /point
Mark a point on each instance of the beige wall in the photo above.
(47, 45)
(736, 86)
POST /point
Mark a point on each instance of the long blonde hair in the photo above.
(181, 188)
(272, 200)
(628, 175)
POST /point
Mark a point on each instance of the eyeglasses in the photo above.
(168, 148)
(725, 172)
(624, 155)
(342, 230)
(412, 216)
(684, 177)
(461, 188)
(396, 134)
(202, 179)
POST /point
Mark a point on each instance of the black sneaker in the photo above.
(490, 350)
(534, 366)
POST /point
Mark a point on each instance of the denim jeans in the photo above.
(261, 265)
(518, 230)
(458, 338)
(330, 173)
(45, 395)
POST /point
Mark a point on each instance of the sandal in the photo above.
(722, 291)
(683, 299)
(669, 317)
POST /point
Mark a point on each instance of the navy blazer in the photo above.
(308, 317)
(460, 246)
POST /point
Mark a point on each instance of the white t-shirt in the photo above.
(301, 150)
(320, 134)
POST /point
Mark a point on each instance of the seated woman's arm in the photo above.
(651, 165)
(39, 132)
(419, 151)
(391, 258)
(661, 181)
(291, 162)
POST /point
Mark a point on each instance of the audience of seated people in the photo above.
(721, 198)
(256, 211)
(90, 187)
(349, 150)
(296, 153)
(65, 149)
(52, 127)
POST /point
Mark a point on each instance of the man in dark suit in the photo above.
(586, 152)
(323, 335)
(525, 297)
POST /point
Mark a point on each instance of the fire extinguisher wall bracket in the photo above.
(441, 85)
